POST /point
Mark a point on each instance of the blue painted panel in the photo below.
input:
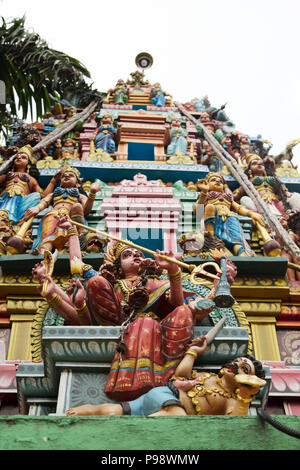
(151, 238)
(140, 151)
(139, 106)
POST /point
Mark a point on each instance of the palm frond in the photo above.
(33, 72)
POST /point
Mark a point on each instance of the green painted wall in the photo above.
(137, 433)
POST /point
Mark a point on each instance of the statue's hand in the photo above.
(172, 268)
(203, 186)
(51, 288)
(32, 212)
(198, 345)
(57, 175)
(269, 161)
(38, 271)
(109, 272)
(80, 294)
(258, 218)
(95, 187)
(64, 222)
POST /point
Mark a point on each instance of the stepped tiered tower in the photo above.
(163, 175)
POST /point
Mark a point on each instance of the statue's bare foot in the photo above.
(84, 410)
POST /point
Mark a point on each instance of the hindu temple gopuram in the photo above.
(150, 262)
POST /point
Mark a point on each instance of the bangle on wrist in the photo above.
(92, 196)
(191, 353)
(55, 301)
(81, 310)
(72, 231)
(175, 277)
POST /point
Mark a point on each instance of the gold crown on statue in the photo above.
(71, 169)
(213, 173)
(114, 251)
(118, 249)
(250, 157)
(27, 150)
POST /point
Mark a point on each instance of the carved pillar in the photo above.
(261, 315)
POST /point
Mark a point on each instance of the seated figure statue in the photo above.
(119, 93)
(193, 393)
(158, 96)
(155, 322)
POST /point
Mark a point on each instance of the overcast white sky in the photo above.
(243, 52)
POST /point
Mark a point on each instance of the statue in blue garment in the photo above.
(177, 138)
(105, 137)
(220, 213)
(158, 96)
(19, 189)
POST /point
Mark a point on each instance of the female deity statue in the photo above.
(104, 138)
(120, 93)
(68, 198)
(19, 187)
(154, 320)
(158, 96)
(270, 188)
(177, 138)
(220, 213)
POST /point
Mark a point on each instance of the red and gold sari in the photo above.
(155, 340)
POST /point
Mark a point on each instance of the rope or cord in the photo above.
(276, 424)
(242, 178)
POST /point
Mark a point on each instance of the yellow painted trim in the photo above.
(23, 305)
(21, 317)
(295, 325)
(257, 307)
(260, 292)
(19, 344)
(262, 319)
(265, 342)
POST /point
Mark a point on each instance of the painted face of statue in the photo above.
(68, 180)
(21, 162)
(106, 119)
(240, 365)
(69, 143)
(257, 167)
(215, 183)
(175, 123)
(130, 259)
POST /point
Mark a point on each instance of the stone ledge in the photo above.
(139, 433)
